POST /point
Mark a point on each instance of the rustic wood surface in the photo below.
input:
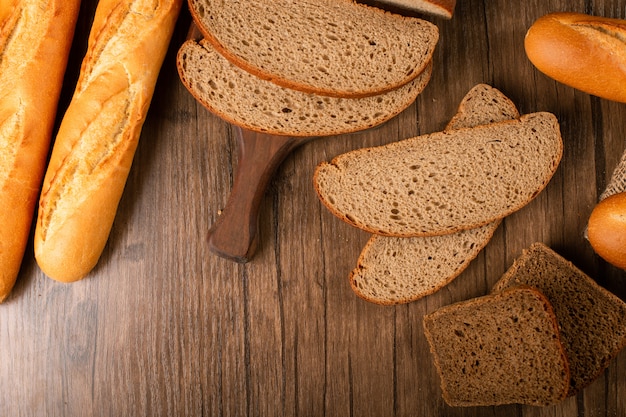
(162, 327)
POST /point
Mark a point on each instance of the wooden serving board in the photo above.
(163, 327)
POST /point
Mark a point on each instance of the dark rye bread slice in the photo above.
(330, 47)
(443, 182)
(499, 349)
(592, 321)
(395, 270)
(248, 101)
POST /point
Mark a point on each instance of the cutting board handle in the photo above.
(234, 235)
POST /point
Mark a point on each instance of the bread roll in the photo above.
(98, 135)
(581, 51)
(35, 40)
(606, 230)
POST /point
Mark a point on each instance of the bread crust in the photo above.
(98, 135)
(35, 41)
(582, 51)
(606, 230)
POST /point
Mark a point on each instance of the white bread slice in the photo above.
(329, 47)
(246, 100)
(443, 182)
(395, 270)
(501, 348)
(440, 8)
(591, 319)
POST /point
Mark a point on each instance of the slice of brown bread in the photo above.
(329, 47)
(256, 104)
(592, 320)
(441, 8)
(395, 270)
(499, 349)
(444, 182)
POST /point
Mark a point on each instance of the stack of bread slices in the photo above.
(545, 332)
(433, 202)
(305, 68)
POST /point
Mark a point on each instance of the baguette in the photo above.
(35, 41)
(98, 135)
(584, 52)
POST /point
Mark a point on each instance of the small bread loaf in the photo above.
(591, 319)
(582, 51)
(440, 8)
(394, 270)
(499, 349)
(443, 182)
(98, 135)
(606, 229)
(327, 47)
(248, 101)
(35, 41)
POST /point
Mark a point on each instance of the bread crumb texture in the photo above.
(498, 349)
(331, 47)
(592, 320)
(443, 182)
(260, 105)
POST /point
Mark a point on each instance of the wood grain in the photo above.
(163, 327)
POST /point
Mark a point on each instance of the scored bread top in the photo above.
(395, 270)
(243, 99)
(591, 319)
(499, 349)
(328, 47)
(443, 182)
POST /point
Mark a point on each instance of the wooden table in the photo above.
(162, 327)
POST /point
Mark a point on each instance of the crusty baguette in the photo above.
(329, 47)
(582, 51)
(260, 105)
(395, 270)
(98, 135)
(444, 182)
(35, 40)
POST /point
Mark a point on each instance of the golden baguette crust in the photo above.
(35, 40)
(584, 52)
(96, 142)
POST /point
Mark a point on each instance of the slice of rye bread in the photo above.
(592, 321)
(444, 182)
(330, 47)
(396, 270)
(499, 349)
(248, 101)
(440, 8)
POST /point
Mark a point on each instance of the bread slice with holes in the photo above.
(592, 320)
(443, 182)
(396, 270)
(328, 47)
(499, 349)
(246, 100)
